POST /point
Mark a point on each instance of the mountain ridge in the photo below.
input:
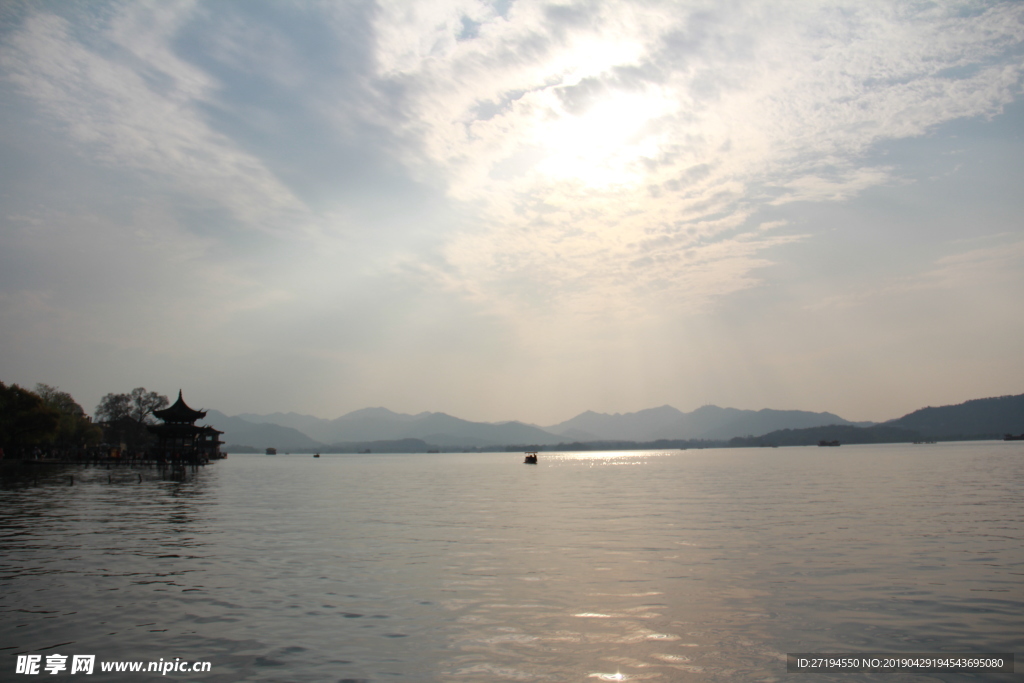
(992, 416)
(443, 430)
(983, 417)
(706, 422)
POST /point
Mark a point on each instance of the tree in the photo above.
(74, 428)
(114, 407)
(126, 416)
(58, 400)
(143, 404)
(138, 405)
(25, 419)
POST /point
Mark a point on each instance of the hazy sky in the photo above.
(514, 209)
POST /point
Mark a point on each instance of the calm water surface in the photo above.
(704, 565)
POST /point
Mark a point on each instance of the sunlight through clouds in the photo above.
(603, 145)
(602, 134)
(611, 199)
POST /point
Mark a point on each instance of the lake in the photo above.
(698, 565)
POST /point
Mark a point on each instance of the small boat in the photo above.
(316, 455)
(531, 458)
(1013, 437)
(828, 443)
(271, 451)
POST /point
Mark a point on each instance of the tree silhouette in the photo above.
(25, 419)
(138, 405)
(74, 428)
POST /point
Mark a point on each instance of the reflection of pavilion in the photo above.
(179, 439)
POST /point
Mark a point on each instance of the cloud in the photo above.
(373, 191)
(603, 152)
(202, 212)
(987, 270)
(582, 130)
(992, 268)
(131, 102)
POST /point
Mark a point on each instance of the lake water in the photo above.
(700, 565)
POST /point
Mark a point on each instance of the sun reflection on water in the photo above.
(593, 458)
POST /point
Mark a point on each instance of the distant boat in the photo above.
(828, 443)
(1013, 437)
(271, 451)
(316, 455)
(531, 458)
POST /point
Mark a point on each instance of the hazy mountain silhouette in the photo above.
(381, 424)
(707, 422)
(371, 424)
(368, 424)
(666, 422)
(979, 417)
(844, 434)
(445, 430)
(639, 426)
(309, 425)
(712, 422)
(244, 433)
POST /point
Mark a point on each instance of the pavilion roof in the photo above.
(179, 412)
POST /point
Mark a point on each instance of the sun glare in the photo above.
(601, 146)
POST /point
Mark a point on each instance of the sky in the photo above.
(514, 210)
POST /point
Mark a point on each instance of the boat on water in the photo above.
(531, 458)
(316, 455)
(828, 443)
(271, 451)
(1013, 437)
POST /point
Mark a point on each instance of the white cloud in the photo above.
(581, 130)
(991, 275)
(586, 139)
(132, 103)
(607, 170)
(991, 268)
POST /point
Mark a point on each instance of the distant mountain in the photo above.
(707, 422)
(388, 446)
(639, 426)
(371, 424)
(380, 424)
(986, 417)
(445, 430)
(259, 436)
(313, 427)
(712, 422)
(991, 417)
(844, 434)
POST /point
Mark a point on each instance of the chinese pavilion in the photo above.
(180, 440)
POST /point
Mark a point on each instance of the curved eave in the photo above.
(179, 412)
